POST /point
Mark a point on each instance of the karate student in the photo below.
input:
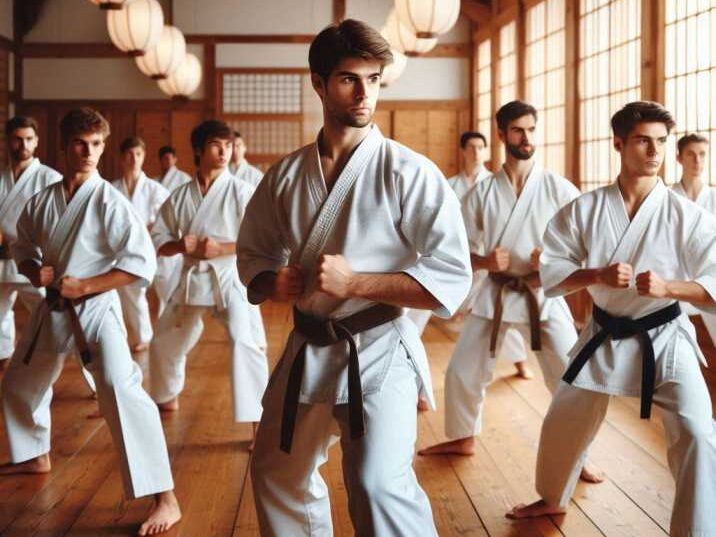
(168, 267)
(473, 146)
(81, 240)
(349, 229)
(639, 249)
(146, 196)
(201, 220)
(692, 155)
(240, 167)
(505, 215)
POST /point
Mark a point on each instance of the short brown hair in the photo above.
(80, 121)
(205, 131)
(513, 110)
(624, 121)
(20, 122)
(693, 138)
(131, 143)
(348, 39)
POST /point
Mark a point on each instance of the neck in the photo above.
(692, 184)
(131, 176)
(19, 167)
(470, 171)
(73, 180)
(518, 170)
(635, 188)
(338, 141)
(238, 163)
(207, 176)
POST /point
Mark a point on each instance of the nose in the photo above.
(361, 90)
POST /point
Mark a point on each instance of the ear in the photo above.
(678, 158)
(618, 143)
(318, 84)
(502, 136)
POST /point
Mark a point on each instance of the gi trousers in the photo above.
(136, 313)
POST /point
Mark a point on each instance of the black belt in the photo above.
(56, 302)
(622, 328)
(323, 333)
(518, 284)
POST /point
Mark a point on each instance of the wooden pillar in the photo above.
(339, 10)
(571, 80)
(653, 17)
(212, 106)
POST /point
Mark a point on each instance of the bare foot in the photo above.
(423, 404)
(461, 446)
(590, 474)
(38, 465)
(165, 514)
(523, 370)
(169, 406)
(140, 347)
(538, 508)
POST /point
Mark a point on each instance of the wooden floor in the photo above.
(83, 496)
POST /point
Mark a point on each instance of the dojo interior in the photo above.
(576, 61)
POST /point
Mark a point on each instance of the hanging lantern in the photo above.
(401, 38)
(108, 4)
(184, 81)
(428, 18)
(136, 27)
(392, 71)
(166, 57)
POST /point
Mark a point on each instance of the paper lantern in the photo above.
(404, 40)
(136, 27)
(392, 72)
(428, 18)
(184, 81)
(166, 57)
(108, 4)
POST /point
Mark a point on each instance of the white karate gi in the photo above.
(247, 172)
(146, 199)
(95, 232)
(169, 267)
(390, 210)
(706, 199)
(494, 217)
(211, 284)
(677, 240)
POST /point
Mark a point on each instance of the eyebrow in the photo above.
(349, 73)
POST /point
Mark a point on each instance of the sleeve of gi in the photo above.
(699, 256)
(563, 250)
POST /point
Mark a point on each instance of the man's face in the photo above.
(133, 160)
(23, 143)
(642, 152)
(693, 158)
(239, 150)
(351, 92)
(167, 160)
(474, 152)
(83, 152)
(519, 138)
(216, 153)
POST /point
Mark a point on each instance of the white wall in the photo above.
(6, 15)
(262, 55)
(73, 21)
(252, 16)
(431, 79)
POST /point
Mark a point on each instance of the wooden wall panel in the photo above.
(4, 102)
(443, 138)
(182, 123)
(384, 120)
(153, 127)
(410, 127)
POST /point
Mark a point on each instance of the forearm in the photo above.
(579, 279)
(113, 279)
(397, 289)
(478, 262)
(227, 248)
(263, 285)
(171, 248)
(690, 292)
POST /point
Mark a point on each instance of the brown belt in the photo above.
(518, 284)
(55, 302)
(323, 333)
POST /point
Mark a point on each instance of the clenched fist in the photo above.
(498, 260)
(334, 275)
(208, 248)
(534, 259)
(72, 288)
(617, 275)
(189, 244)
(288, 285)
(651, 284)
(43, 276)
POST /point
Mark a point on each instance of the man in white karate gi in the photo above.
(692, 154)
(80, 239)
(473, 146)
(639, 249)
(240, 167)
(146, 196)
(351, 229)
(168, 267)
(505, 216)
(201, 220)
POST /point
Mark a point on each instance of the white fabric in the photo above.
(384, 495)
(209, 283)
(400, 216)
(246, 172)
(460, 184)
(174, 178)
(494, 217)
(147, 197)
(668, 235)
(95, 232)
(471, 368)
(29, 297)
